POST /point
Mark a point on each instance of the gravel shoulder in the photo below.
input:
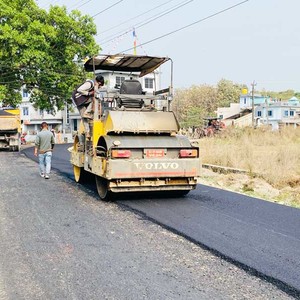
(59, 242)
(251, 186)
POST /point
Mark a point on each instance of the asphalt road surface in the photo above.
(260, 237)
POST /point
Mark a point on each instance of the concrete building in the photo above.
(67, 120)
(278, 113)
(267, 111)
(228, 113)
(32, 118)
(246, 100)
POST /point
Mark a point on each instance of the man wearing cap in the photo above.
(44, 144)
(82, 96)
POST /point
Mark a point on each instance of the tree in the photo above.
(228, 92)
(192, 105)
(282, 96)
(37, 49)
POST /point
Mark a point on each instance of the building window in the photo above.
(286, 113)
(292, 113)
(245, 100)
(25, 93)
(149, 83)
(270, 113)
(25, 111)
(259, 113)
(119, 80)
(75, 127)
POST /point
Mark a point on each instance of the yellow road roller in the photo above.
(134, 145)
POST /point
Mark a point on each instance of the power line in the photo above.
(13, 78)
(126, 21)
(8, 75)
(56, 90)
(76, 4)
(149, 20)
(50, 2)
(106, 8)
(189, 25)
(83, 4)
(144, 22)
(54, 2)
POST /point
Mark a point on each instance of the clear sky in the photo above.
(258, 40)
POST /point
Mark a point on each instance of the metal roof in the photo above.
(125, 63)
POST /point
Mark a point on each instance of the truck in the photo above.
(10, 129)
(134, 144)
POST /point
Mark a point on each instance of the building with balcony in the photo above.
(278, 113)
(267, 111)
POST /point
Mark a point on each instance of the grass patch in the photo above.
(273, 155)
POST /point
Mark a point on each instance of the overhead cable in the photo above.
(147, 21)
(100, 12)
(51, 2)
(145, 12)
(189, 25)
(76, 4)
(83, 4)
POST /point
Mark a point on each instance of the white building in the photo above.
(150, 82)
(31, 118)
(266, 112)
(227, 112)
(67, 121)
(277, 113)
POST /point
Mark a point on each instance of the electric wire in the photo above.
(76, 4)
(83, 4)
(189, 25)
(145, 22)
(50, 2)
(42, 74)
(100, 12)
(48, 72)
(128, 20)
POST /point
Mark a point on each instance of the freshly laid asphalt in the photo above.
(258, 236)
(59, 242)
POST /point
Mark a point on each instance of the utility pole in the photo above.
(253, 84)
(267, 112)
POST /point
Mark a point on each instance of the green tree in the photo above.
(228, 92)
(297, 94)
(192, 105)
(41, 49)
(283, 95)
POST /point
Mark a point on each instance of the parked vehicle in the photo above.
(10, 129)
(135, 144)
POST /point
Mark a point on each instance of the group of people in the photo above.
(45, 139)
